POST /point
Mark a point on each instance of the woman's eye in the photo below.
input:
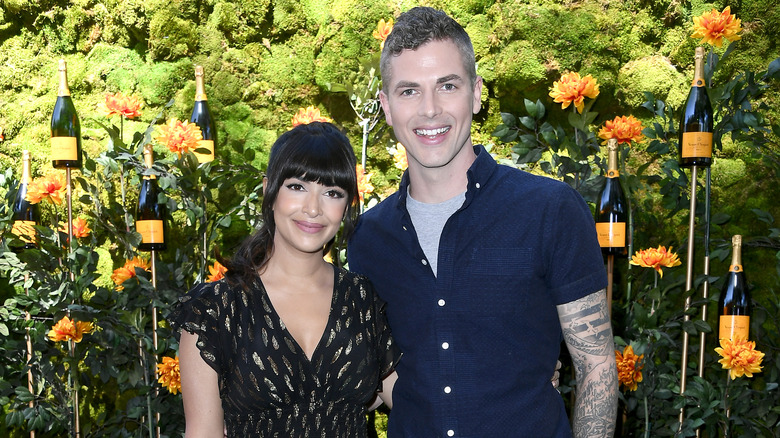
(294, 186)
(338, 194)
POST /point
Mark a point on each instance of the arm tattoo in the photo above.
(587, 330)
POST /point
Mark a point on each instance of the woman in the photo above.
(287, 344)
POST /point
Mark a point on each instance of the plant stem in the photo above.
(647, 420)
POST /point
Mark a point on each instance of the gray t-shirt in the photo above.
(429, 220)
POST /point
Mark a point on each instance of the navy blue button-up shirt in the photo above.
(481, 339)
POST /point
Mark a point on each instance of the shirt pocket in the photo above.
(500, 281)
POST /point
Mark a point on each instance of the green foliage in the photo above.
(656, 75)
(263, 60)
(651, 315)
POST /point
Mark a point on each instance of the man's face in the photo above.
(430, 104)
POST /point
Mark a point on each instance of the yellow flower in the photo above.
(399, 157)
(169, 374)
(308, 115)
(740, 357)
(180, 136)
(624, 129)
(573, 89)
(66, 330)
(364, 182)
(128, 106)
(656, 258)
(382, 30)
(47, 188)
(127, 271)
(216, 272)
(629, 369)
(712, 27)
(80, 228)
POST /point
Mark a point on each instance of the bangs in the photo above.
(321, 161)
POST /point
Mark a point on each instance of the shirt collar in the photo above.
(478, 175)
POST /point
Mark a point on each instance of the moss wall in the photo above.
(266, 58)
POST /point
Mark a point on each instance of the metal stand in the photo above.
(688, 287)
(29, 352)
(610, 272)
(71, 344)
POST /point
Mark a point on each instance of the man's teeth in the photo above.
(431, 132)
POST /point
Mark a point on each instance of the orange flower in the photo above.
(127, 271)
(216, 272)
(382, 30)
(573, 89)
(80, 228)
(308, 115)
(364, 182)
(624, 129)
(740, 357)
(656, 258)
(128, 106)
(47, 188)
(2, 136)
(629, 369)
(180, 136)
(66, 330)
(169, 374)
(712, 27)
(399, 157)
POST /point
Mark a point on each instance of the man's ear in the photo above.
(385, 107)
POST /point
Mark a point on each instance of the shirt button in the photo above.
(447, 390)
(445, 345)
(441, 303)
(450, 432)
(424, 262)
(477, 185)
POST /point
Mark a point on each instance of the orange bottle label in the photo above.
(614, 173)
(24, 231)
(205, 144)
(734, 326)
(697, 144)
(64, 148)
(151, 231)
(611, 234)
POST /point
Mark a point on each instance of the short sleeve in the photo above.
(198, 312)
(574, 259)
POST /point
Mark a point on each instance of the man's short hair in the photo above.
(419, 26)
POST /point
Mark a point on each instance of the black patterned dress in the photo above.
(268, 387)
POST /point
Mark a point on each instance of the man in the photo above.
(484, 267)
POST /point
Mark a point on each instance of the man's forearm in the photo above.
(596, 403)
(588, 333)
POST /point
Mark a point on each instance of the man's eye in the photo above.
(408, 92)
(449, 87)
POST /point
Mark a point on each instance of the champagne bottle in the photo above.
(612, 213)
(65, 128)
(734, 305)
(25, 214)
(696, 122)
(201, 116)
(150, 217)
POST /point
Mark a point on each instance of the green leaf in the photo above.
(531, 108)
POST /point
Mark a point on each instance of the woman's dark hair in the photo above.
(315, 152)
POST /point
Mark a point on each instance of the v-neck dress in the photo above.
(268, 386)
